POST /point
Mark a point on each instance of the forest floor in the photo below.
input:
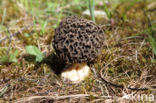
(125, 70)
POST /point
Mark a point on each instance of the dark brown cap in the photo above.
(78, 40)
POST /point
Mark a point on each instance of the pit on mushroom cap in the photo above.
(77, 40)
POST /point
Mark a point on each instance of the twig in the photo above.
(151, 10)
(14, 34)
(3, 90)
(26, 99)
(100, 79)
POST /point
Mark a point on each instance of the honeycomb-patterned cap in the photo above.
(78, 40)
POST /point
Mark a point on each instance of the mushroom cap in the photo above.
(78, 40)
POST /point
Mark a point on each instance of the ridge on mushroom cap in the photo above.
(78, 40)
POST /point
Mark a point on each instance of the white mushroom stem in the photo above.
(76, 73)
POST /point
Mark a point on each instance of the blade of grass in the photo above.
(133, 2)
(151, 34)
(43, 29)
(4, 15)
(152, 41)
(153, 45)
(108, 12)
(91, 4)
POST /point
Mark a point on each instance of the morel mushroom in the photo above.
(77, 42)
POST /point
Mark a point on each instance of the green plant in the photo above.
(9, 58)
(33, 50)
(43, 27)
(151, 32)
(4, 15)
(108, 12)
(91, 5)
(124, 15)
